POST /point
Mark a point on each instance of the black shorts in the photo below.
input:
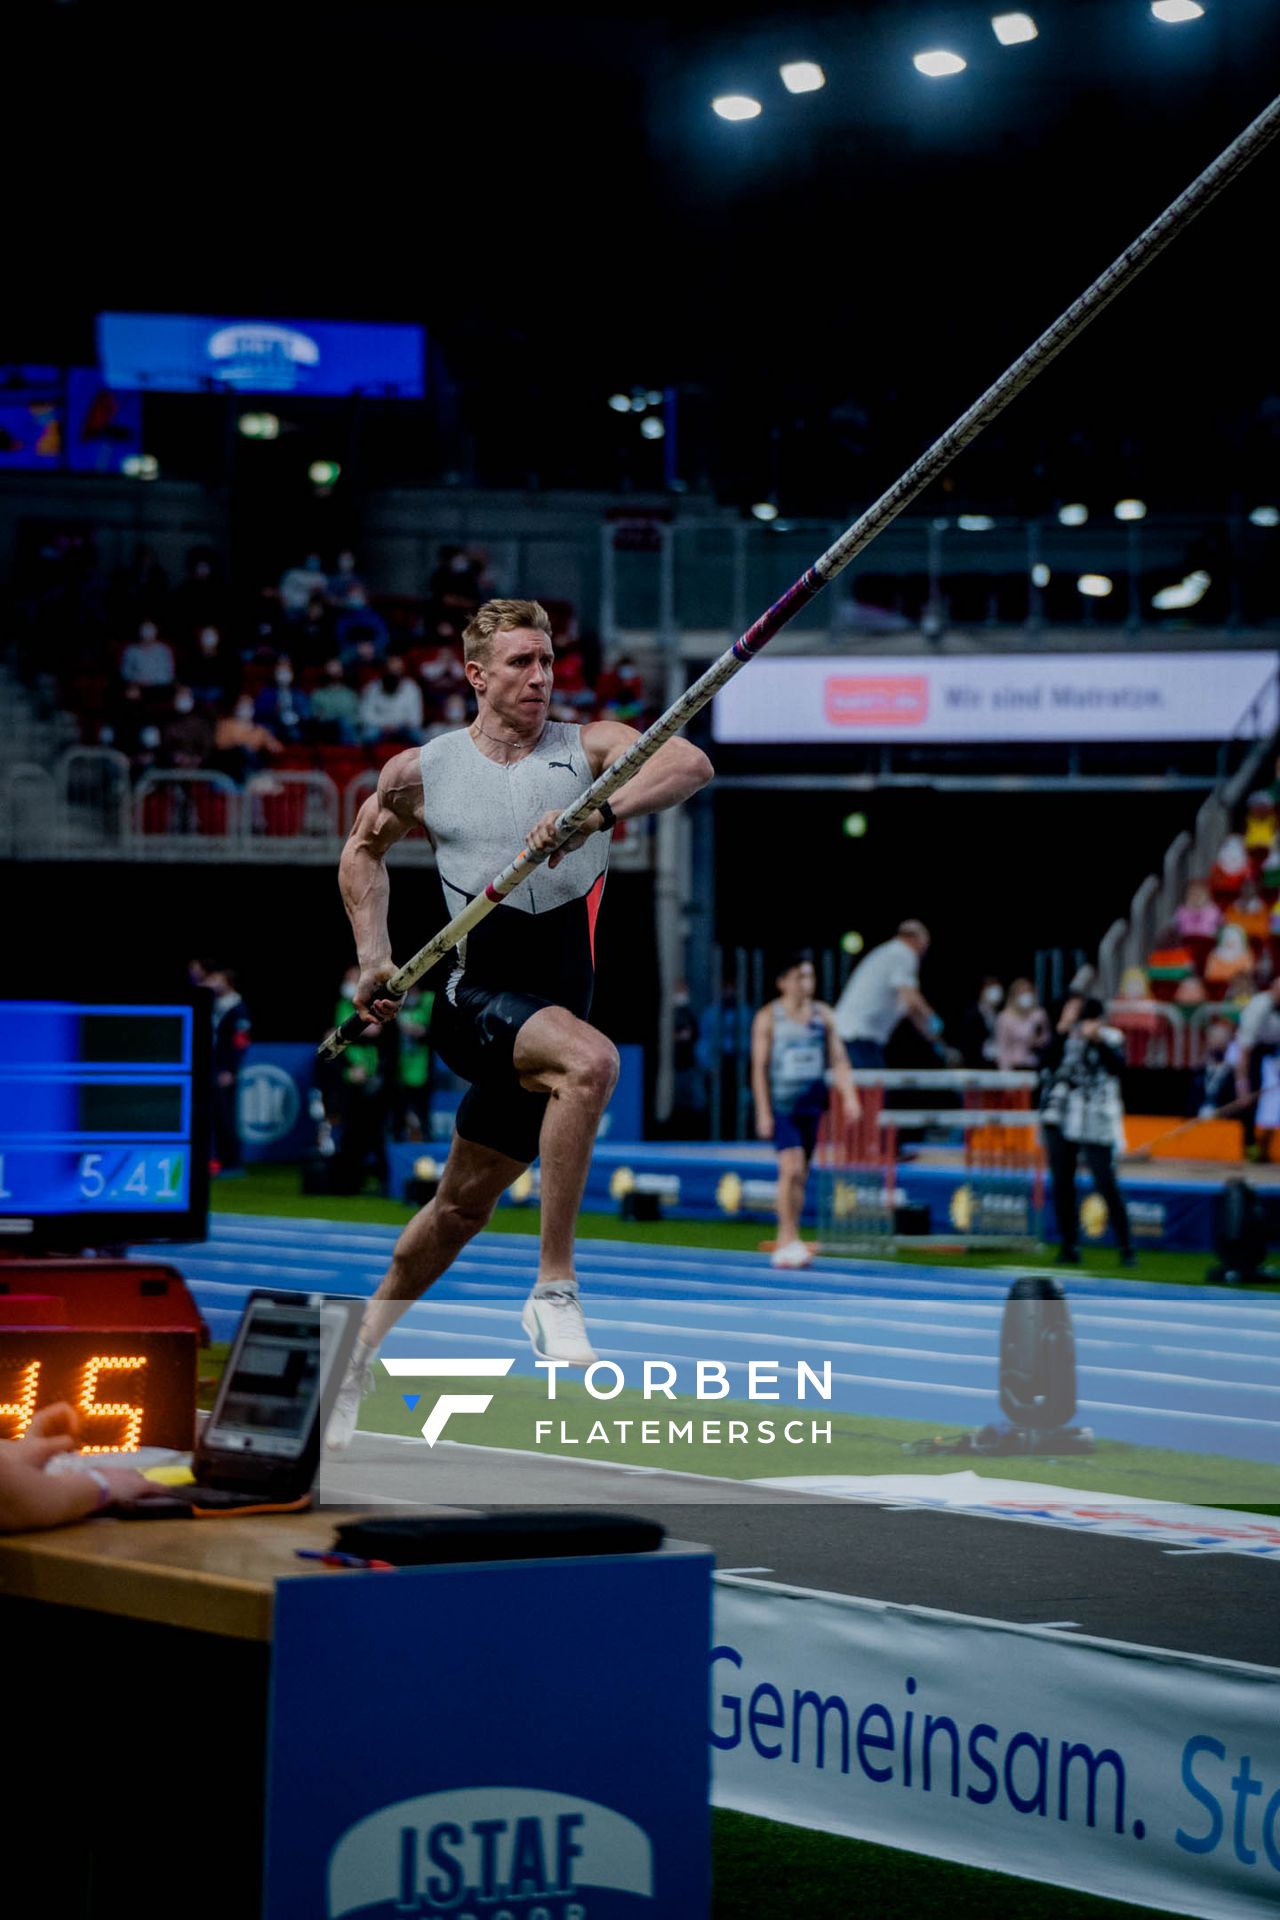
(475, 1034)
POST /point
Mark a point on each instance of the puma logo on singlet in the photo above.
(566, 764)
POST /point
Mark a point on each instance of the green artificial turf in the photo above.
(764, 1870)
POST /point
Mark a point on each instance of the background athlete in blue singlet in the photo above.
(512, 1016)
(794, 1048)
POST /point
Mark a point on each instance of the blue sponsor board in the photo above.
(701, 1182)
(196, 353)
(275, 1088)
(434, 1752)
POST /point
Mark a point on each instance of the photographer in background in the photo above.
(1083, 1112)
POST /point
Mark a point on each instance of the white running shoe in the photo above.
(346, 1408)
(556, 1328)
(796, 1253)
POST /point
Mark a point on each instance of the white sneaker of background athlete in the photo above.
(796, 1253)
(346, 1408)
(555, 1326)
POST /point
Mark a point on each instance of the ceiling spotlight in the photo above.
(1095, 586)
(802, 76)
(1131, 509)
(765, 510)
(323, 473)
(1012, 29)
(654, 396)
(975, 522)
(1187, 593)
(620, 402)
(1040, 574)
(851, 943)
(938, 63)
(140, 466)
(1174, 12)
(1074, 514)
(855, 826)
(259, 426)
(652, 428)
(1265, 517)
(736, 106)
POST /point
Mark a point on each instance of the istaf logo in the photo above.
(876, 700)
(492, 1853)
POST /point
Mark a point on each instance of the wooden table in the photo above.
(140, 1650)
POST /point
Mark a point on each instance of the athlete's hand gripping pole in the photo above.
(1230, 162)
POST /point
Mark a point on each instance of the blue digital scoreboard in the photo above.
(103, 1123)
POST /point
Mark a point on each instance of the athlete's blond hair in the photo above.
(501, 616)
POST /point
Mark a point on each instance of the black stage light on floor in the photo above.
(1240, 1237)
(1037, 1359)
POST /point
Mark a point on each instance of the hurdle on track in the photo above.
(995, 1144)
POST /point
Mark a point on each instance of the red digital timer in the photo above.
(116, 1340)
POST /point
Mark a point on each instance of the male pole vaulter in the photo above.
(512, 1018)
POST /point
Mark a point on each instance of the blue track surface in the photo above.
(1181, 1367)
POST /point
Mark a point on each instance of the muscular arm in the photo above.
(385, 817)
(676, 771)
(761, 1047)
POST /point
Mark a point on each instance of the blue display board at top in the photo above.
(196, 353)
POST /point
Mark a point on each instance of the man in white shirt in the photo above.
(882, 990)
(148, 660)
(391, 705)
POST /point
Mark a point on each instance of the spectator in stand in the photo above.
(441, 672)
(186, 739)
(453, 715)
(282, 707)
(232, 1033)
(620, 690)
(1198, 918)
(212, 670)
(1230, 869)
(391, 707)
(365, 666)
(1249, 912)
(410, 1098)
(1022, 1030)
(1231, 955)
(883, 989)
(1258, 1040)
(139, 592)
(300, 585)
(309, 639)
(199, 599)
(148, 660)
(335, 708)
(1197, 921)
(1083, 1113)
(357, 623)
(241, 746)
(1260, 827)
(454, 593)
(345, 581)
(977, 1027)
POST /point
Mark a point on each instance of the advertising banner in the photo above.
(196, 353)
(1137, 1774)
(900, 700)
(437, 1768)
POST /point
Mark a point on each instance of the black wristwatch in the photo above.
(608, 817)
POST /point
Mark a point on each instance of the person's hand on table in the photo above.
(51, 1430)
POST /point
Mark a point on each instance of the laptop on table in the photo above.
(259, 1450)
